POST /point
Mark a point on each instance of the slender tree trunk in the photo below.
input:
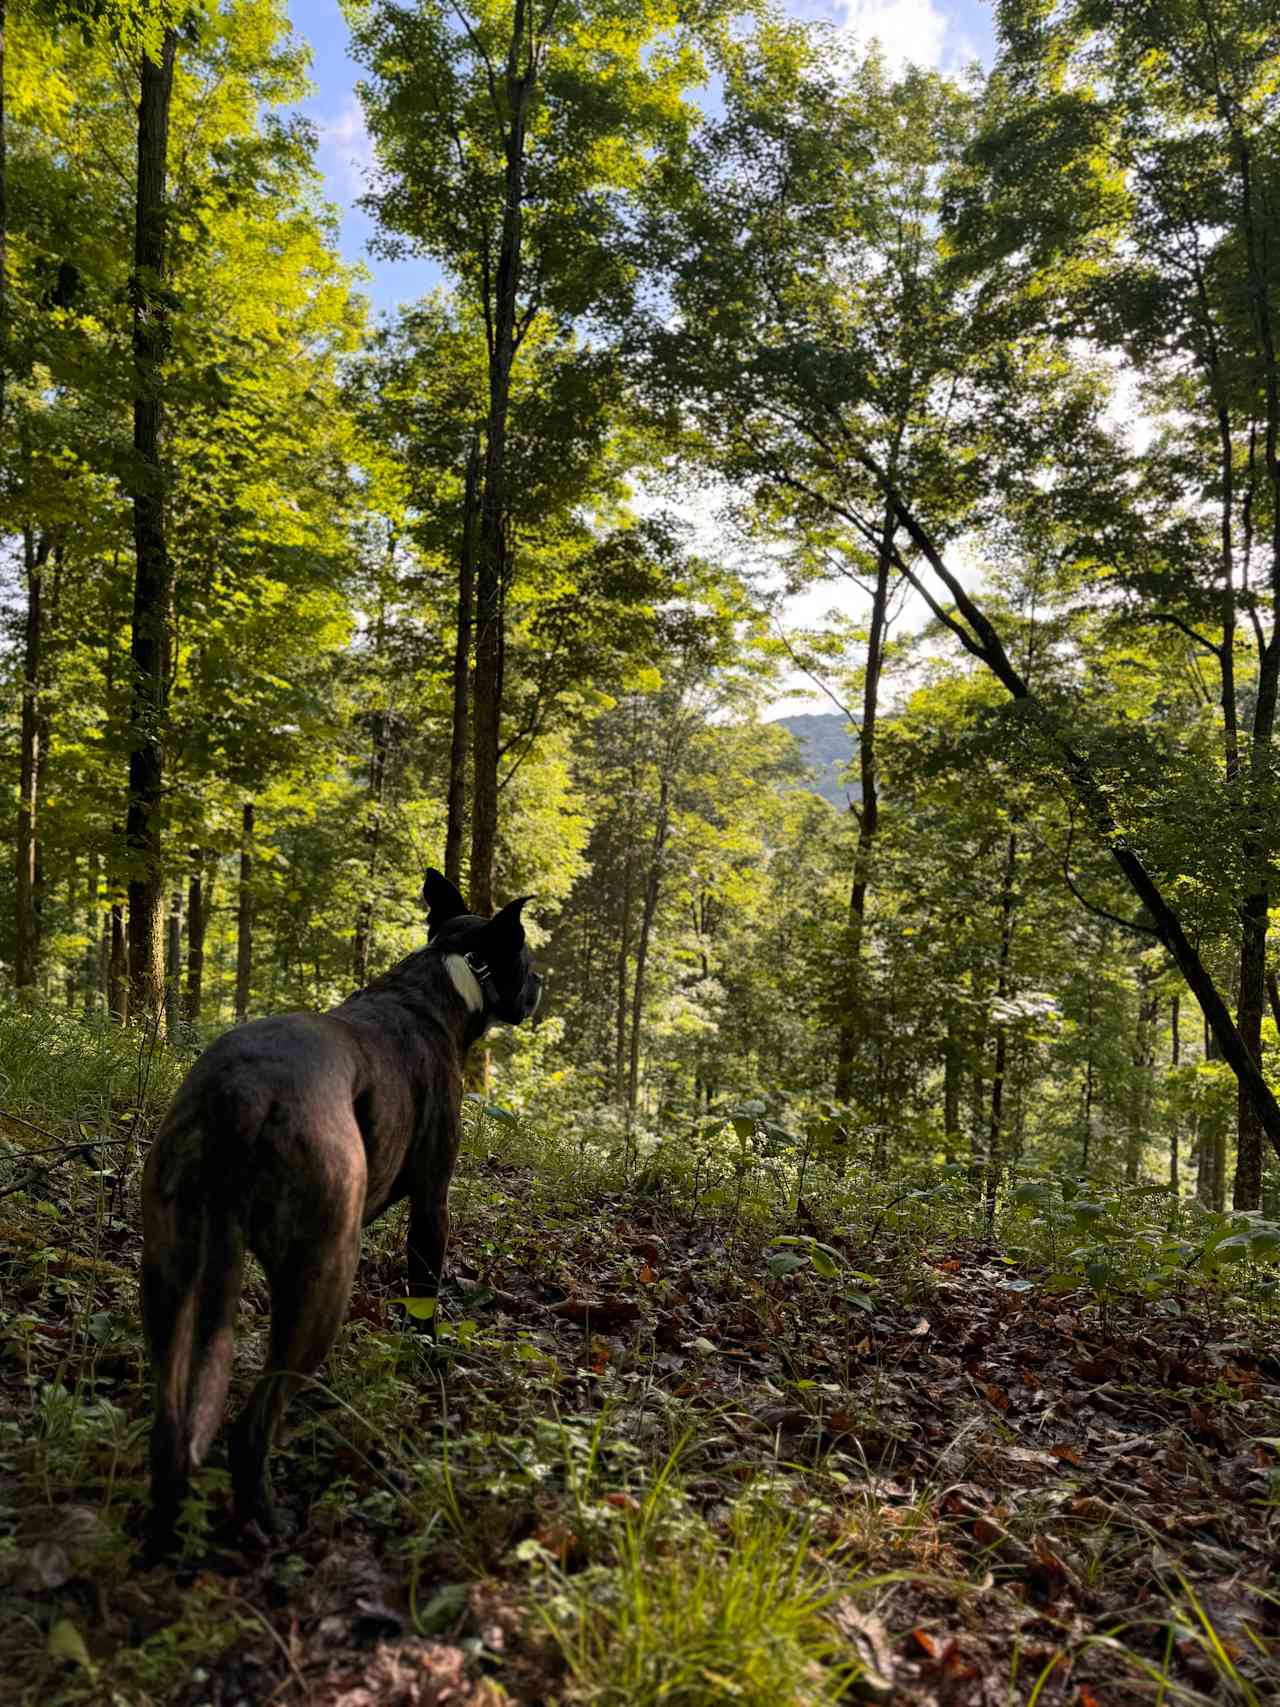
(173, 965)
(93, 934)
(118, 965)
(244, 929)
(153, 583)
(495, 551)
(868, 813)
(951, 1086)
(199, 903)
(373, 836)
(27, 931)
(620, 1002)
(1087, 1120)
(648, 910)
(457, 805)
(1175, 1057)
(995, 1146)
(104, 951)
(1247, 1191)
(1144, 1060)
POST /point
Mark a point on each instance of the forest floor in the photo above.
(642, 1467)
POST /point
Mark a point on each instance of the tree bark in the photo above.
(118, 964)
(457, 801)
(244, 923)
(26, 953)
(493, 565)
(1144, 1060)
(93, 934)
(199, 901)
(995, 1144)
(153, 582)
(868, 812)
(951, 1088)
(623, 963)
(173, 966)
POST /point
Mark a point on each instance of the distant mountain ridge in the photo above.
(829, 747)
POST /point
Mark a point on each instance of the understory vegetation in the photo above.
(735, 1428)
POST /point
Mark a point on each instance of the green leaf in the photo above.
(1264, 1243)
(1033, 1191)
(827, 1264)
(66, 1643)
(1087, 1212)
(444, 1608)
(421, 1309)
(786, 1262)
(1235, 1249)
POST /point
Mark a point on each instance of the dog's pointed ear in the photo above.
(506, 926)
(443, 901)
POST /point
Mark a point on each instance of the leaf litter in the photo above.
(1010, 1499)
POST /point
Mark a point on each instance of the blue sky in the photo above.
(943, 33)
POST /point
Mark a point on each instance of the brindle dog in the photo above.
(286, 1138)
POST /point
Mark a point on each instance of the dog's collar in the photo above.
(483, 977)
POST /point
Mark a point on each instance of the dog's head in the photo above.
(487, 959)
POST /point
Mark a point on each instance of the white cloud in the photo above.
(907, 30)
(346, 150)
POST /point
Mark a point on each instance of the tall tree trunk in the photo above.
(1175, 1056)
(27, 931)
(457, 804)
(622, 982)
(995, 1146)
(1144, 1060)
(647, 912)
(244, 923)
(952, 1065)
(373, 837)
(1087, 1116)
(495, 551)
(153, 582)
(173, 966)
(93, 934)
(118, 965)
(1247, 1190)
(199, 902)
(868, 812)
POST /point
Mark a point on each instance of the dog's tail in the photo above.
(192, 1261)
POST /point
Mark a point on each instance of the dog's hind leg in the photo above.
(170, 1269)
(310, 1286)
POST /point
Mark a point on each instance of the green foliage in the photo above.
(743, 1618)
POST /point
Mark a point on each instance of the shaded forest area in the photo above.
(865, 1279)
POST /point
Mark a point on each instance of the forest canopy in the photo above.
(298, 601)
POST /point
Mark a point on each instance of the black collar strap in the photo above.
(483, 977)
